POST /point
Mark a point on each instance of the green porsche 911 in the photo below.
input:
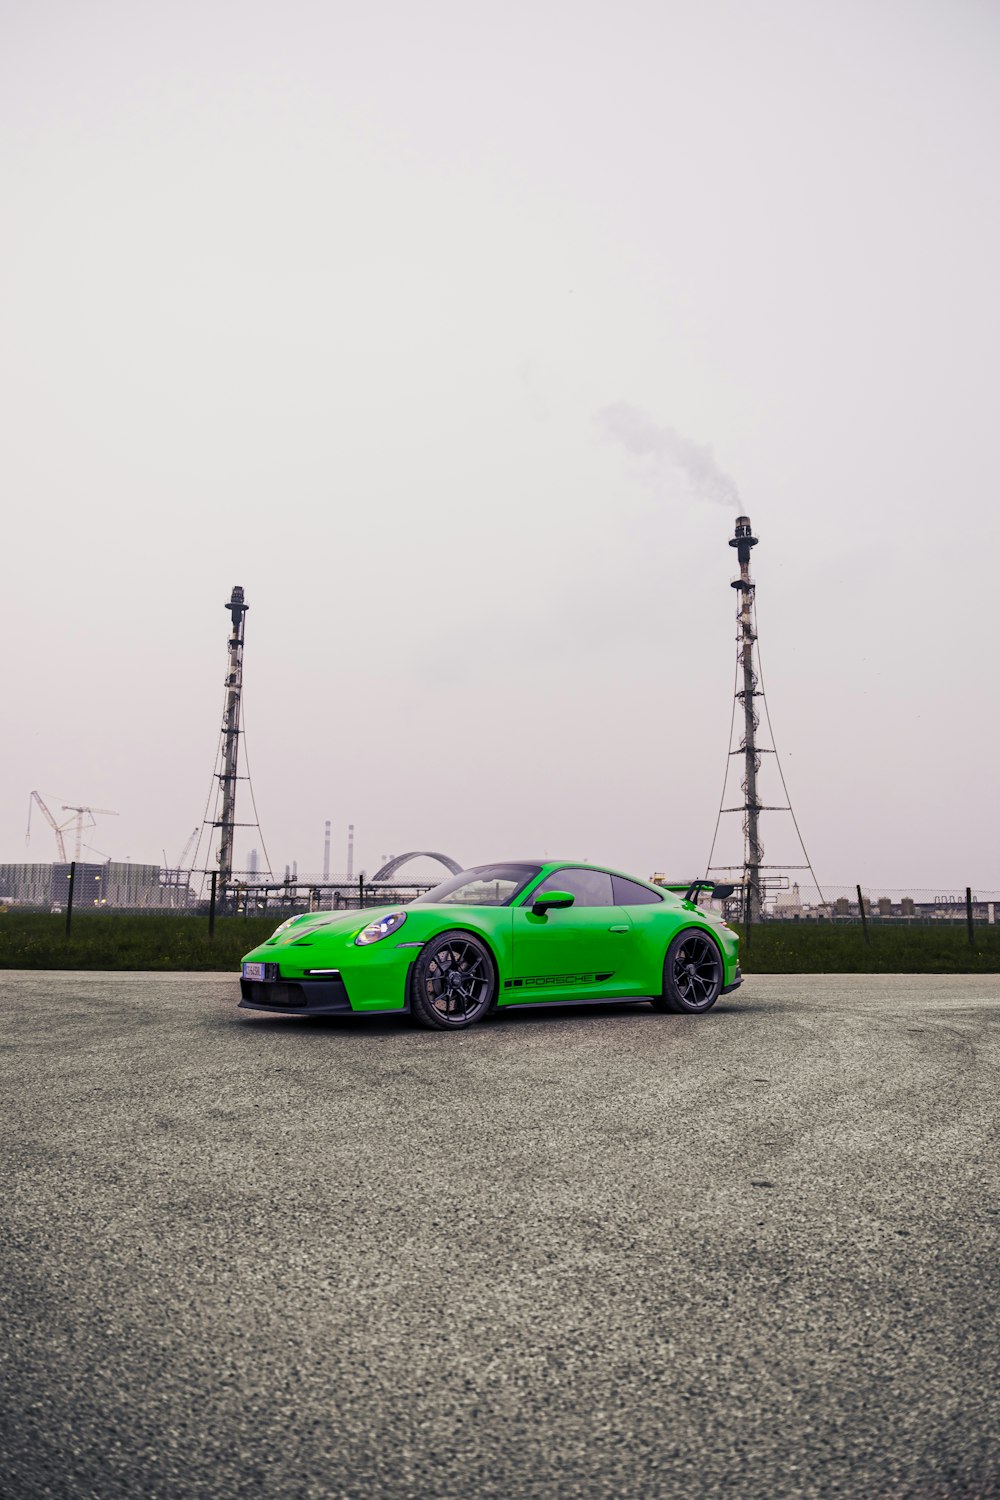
(498, 936)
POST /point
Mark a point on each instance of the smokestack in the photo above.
(326, 850)
(743, 540)
(350, 851)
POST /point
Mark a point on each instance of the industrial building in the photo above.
(117, 885)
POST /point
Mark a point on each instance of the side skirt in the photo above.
(554, 1004)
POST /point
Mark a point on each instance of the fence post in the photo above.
(968, 915)
(211, 906)
(361, 891)
(747, 912)
(864, 916)
(69, 895)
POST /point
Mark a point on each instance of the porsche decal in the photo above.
(546, 981)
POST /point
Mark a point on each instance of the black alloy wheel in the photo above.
(692, 974)
(452, 982)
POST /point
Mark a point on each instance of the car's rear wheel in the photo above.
(692, 974)
(452, 983)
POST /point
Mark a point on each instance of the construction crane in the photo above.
(76, 823)
(176, 879)
(176, 869)
(81, 826)
(187, 847)
(57, 828)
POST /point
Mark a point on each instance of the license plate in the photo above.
(253, 971)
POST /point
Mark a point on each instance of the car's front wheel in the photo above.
(452, 983)
(692, 974)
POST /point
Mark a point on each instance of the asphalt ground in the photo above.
(588, 1254)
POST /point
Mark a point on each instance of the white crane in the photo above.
(177, 869)
(57, 829)
(172, 875)
(81, 826)
(76, 822)
(187, 847)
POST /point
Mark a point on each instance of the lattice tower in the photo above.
(228, 755)
(749, 687)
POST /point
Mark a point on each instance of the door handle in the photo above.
(619, 928)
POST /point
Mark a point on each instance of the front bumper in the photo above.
(737, 981)
(307, 997)
(303, 997)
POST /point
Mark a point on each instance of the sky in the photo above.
(458, 335)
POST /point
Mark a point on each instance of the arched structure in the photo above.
(392, 865)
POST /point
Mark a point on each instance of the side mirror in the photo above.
(551, 901)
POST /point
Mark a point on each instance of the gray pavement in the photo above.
(596, 1254)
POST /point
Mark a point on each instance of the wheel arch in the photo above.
(481, 937)
(706, 931)
(671, 997)
(696, 927)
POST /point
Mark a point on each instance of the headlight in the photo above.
(376, 931)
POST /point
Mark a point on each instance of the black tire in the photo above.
(692, 974)
(453, 982)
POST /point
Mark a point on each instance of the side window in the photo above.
(629, 893)
(590, 887)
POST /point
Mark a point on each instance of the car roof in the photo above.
(585, 864)
(574, 864)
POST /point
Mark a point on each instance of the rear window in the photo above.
(630, 893)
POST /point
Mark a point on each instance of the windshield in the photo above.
(485, 885)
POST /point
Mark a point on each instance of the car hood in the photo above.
(341, 923)
(332, 922)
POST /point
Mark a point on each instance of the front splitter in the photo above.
(319, 1010)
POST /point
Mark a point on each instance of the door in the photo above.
(584, 951)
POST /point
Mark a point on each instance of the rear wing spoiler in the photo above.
(691, 890)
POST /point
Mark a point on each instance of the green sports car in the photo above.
(498, 936)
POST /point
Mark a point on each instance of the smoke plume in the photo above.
(666, 449)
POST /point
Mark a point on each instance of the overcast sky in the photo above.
(456, 333)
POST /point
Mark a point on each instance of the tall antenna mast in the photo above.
(753, 850)
(747, 672)
(231, 736)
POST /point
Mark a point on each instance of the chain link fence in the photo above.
(886, 905)
(110, 887)
(126, 887)
(250, 895)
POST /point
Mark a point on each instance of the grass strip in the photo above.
(37, 940)
(828, 948)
